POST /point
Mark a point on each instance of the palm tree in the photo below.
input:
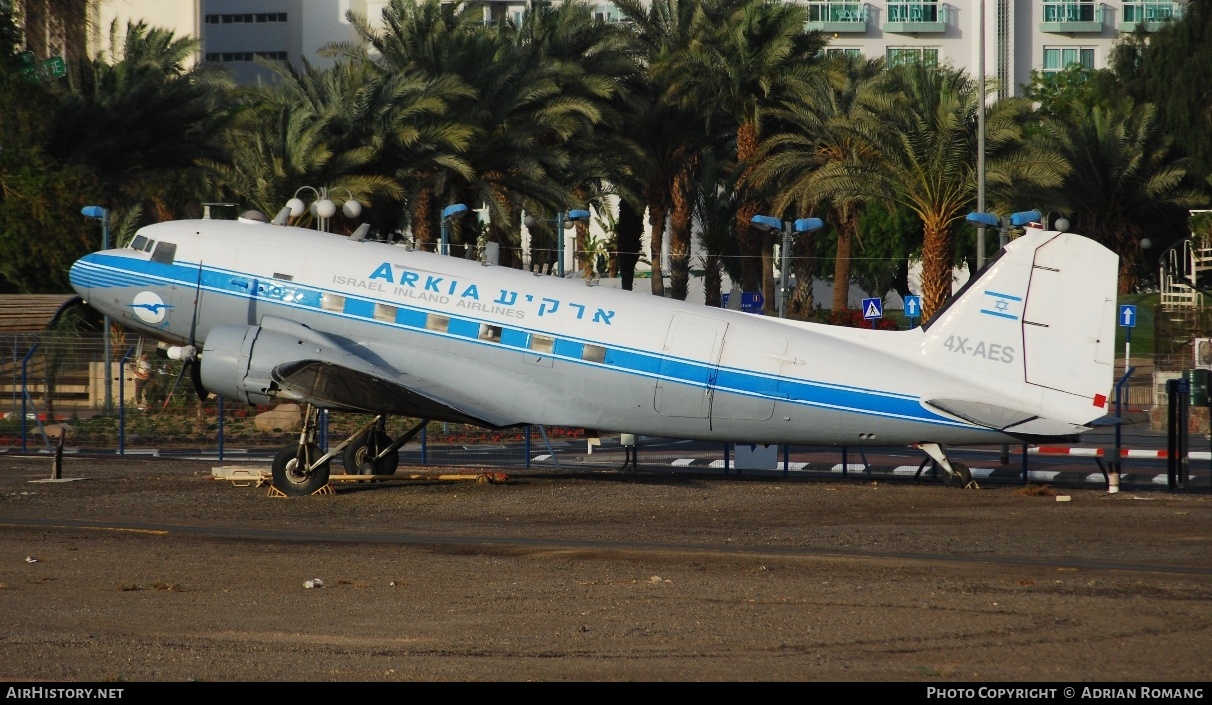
(1124, 176)
(817, 143)
(663, 29)
(141, 117)
(715, 211)
(300, 131)
(747, 57)
(922, 122)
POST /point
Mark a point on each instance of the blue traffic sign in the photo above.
(751, 301)
(873, 308)
(913, 306)
(1127, 316)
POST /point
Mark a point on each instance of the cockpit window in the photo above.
(138, 243)
(164, 253)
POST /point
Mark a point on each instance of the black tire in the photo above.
(287, 477)
(356, 457)
(960, 477)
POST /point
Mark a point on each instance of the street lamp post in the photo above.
(980, 142)
(102, 214)
(768, 223)
(449, 212)
(561, 218)
(323, 207)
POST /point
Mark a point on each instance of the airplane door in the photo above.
(688, 366)
(747, 382)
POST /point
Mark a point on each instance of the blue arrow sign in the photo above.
(873, 308)
(1127, 316)
(913, 306)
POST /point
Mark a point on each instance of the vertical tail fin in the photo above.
(1036, 326)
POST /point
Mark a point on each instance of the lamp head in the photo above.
(766, 223)
(807, 225)
(324, 208)
(578, 215)
(352, 208)
(454, 210)
(93, 212)
(1024, 217)
(296, 207)
(1062, 226)
(984, 219)
(531, 221)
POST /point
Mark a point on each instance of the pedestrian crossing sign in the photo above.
(873, 308)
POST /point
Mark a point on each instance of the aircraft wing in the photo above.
(285, 359)
(333, 386)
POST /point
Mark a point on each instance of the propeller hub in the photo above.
(183, 352)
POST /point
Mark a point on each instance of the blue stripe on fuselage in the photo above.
(112, 271)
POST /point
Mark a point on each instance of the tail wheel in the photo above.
(291, 474)
(960, 476)
(359, 456)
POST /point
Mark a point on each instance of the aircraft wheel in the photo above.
(357, 455)
(291, 477)
(960, 477)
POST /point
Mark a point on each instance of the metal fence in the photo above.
(55, 381)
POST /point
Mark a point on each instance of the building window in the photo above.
(1069, 12)
(909, 55)
(913, 12)
(843, 52)
(1060, 58)
(246, 18)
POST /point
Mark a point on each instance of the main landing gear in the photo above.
(301, 469)
(954, 474)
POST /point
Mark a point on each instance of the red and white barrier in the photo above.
(1102, 452)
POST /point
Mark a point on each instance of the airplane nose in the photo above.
(82, 275)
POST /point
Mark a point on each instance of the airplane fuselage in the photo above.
(544, 350)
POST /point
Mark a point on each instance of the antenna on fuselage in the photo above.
(360, 234)
(282, 216)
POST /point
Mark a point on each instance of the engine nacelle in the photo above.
(237, 361)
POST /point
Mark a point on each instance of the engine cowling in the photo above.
(237, 362)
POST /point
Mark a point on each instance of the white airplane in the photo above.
(262, 313)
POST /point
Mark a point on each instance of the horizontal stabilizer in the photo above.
(1012, 421)
(982, 414)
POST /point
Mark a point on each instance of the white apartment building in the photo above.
(1019, 35)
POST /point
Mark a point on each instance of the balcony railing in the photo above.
(1152, 15)
(914, 17)
(1066, 17)
(837, 17)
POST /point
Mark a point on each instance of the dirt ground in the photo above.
(152, 571)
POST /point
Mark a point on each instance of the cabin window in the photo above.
(386, 313)
(164, 253)
(138, 243)
(332, 302)
(490, 333)
(541, 343)
(593, 353)
(436, 322)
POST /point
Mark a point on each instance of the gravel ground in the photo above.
(152, 571)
